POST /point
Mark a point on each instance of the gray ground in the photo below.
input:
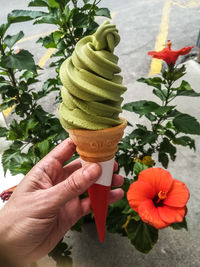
(138, 23)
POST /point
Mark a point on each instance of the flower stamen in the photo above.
(162, 195)
(169, 44)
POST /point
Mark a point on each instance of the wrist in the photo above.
(8, 254)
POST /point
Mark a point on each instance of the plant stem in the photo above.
(71, 35)
(165, 103)
(74, 3)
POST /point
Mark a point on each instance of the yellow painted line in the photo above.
(186, 3)
(7, 111)
(46, 57)
(34, 37)
(156, 64)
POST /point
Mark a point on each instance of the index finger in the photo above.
(63, 152)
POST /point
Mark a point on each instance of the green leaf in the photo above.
(92, 27)
(185, 141)
(67, 13)
(7, 103)
(62, 2)
(24, 15)
(181, 225)
(80, 20)
(159, 93)
(8, 90)
(138, 167)
(186, 124)
(42, 3)
(16, 145)
(185, 90)
(165, 109)
(142, 235)
(155, 82)
(23, 166)
(141, 107)
(10, 40)
(49, 19)
(21, 61)
(43, 148)
(61, 253)
(78, 226)
(178, 72)
(169, 134)
(115, 220)
(135, 216)
(105, 12)
(48, 41)
(20, 131)
(167, 147)
(15, 131)
(163, 159)
(151, 117)
(57, 36)
(173, 113)
(16, 162)
(144, 136)
(53, 3)
(6, 159)
(144, 107)
(3, 132)
(3, 28)
(27, 126)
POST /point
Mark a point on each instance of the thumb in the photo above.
(76, 184)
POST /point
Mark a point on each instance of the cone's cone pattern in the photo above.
(99, 197)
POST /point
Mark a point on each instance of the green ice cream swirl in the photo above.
(91, 91)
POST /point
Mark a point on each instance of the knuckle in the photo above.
(73, 185)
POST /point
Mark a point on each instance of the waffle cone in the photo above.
(99, 145)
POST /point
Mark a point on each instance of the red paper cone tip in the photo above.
(99, 197)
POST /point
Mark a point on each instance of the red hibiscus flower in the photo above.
(168, 55)
(159, 199)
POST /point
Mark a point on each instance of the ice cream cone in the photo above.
(99, 146)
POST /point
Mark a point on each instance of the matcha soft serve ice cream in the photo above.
(92, 88)
(91, 94)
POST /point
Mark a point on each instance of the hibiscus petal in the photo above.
(171, 215)
(139, 192)
(149, 214)
(184, 50)
(160, 179)
(168, 55)
(178, 195)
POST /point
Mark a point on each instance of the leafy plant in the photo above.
(168, 127)
(33, 131)
(73, 20)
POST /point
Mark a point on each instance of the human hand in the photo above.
(46, 204)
